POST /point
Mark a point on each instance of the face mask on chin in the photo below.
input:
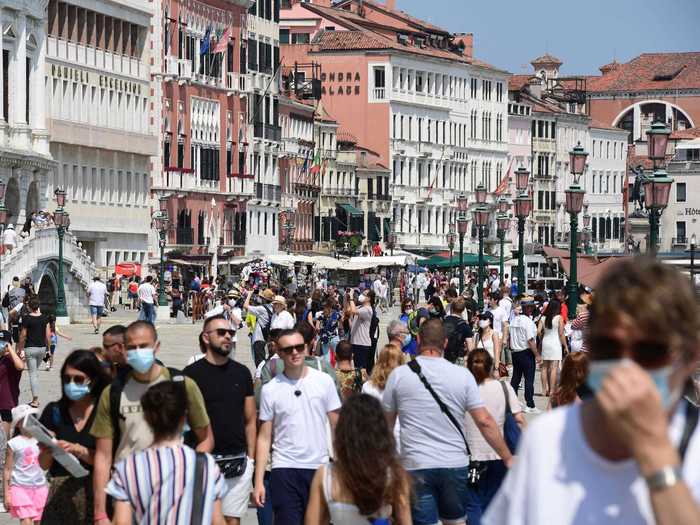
(597, 370)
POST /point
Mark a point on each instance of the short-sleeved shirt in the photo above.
(499, 317)
(263, 315)
(9, 383)
(97, 291)
(522, 329)
(146, 292)
(158, 483)
(15, 296)
(56, 418)
(26, 471)
(428, 438)
(299, 421)
(282, 321)
(135, 432)
(491, 392)
(224, 389)
(359, 331)
(36, 330)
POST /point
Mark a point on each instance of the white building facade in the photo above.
(98, 92)
(681, 219)
(25, 159)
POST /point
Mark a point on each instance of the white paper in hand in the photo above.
(42, 435)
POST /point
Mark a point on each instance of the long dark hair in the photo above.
(439, 307)
(480, 364)
(87, 362)
(553, 309)
(366, 461)
(574, 370)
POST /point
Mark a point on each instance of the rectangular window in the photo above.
(680, 232)
(301, 38)
(284, 36)
(680, 192)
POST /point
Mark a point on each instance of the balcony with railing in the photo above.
(184, 236)
(267, 132)
(105, 61)
(268, 192)
(379, 94)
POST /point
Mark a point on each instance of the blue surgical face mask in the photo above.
(75, 392)
(407, 340)
(141, 359)
(597, 371)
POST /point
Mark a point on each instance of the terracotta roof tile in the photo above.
(344, 40)
(546, 59)
(685, 134)
(411, 20)
(598, 124)
(517, 82)
(651, 71)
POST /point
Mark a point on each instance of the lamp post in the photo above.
(162, 223)
(451, 240)
(391, 241)
(503, 223)
(657, 188)
(462, 205)
(481, 219)
(574, 204)
(523, 207)
(62, 220)
(3, 215)
(289, 227)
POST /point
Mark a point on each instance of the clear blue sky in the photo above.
(583, 34)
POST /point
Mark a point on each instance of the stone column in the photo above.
(637, 113)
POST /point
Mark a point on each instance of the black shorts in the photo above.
(6, 415)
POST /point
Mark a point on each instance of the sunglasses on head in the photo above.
(223, 331)
(78, 380)
(289, 349)
(647, 354)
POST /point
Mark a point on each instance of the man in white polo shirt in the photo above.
(96, 293)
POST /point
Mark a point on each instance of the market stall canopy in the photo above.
(183, 262)
(127, 269)
(237, 260)
(470, 259)
(386, 260)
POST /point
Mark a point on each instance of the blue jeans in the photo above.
(479, 497)
(524, 365)
(440, 494)
(148, 313)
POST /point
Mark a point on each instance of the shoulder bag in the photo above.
(196, 516)
(511, 430)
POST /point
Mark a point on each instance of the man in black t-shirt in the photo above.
(227, 388)
(458, 333)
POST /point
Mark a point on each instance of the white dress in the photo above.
(551, 344)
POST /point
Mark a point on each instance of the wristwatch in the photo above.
(664, 478)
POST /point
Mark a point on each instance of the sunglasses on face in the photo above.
(78, 380)
(221, 332)
(647, 354)
(289, 349)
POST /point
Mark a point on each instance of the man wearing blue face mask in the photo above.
(629, 453)
(119, 426)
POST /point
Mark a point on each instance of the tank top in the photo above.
(346, 513)
(486, 344)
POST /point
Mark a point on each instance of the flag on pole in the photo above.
(221, 44)
(316, 164)
(205, 43)
(503, 186)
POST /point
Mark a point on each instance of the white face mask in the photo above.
(484, 323)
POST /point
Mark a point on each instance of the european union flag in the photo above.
(204, 44)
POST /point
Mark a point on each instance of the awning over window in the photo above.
(350, 209)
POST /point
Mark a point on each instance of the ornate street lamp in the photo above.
(522, 176)
(451, 239)
(462, 206)
(586, 233)
(480, 194)
(289, 227)
(163, 203)
(523, 207)
(503, 223)
(481, 219)
(657, 188)
(161, 222)
(574, 205)
(62, 220)
(391, 241)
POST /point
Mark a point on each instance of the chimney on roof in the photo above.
(390, 4)
(467, 40)
(609, 68)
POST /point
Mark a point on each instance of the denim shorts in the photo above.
(96, 310)
(440, 494)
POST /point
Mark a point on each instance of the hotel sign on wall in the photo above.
(340, 83)
(82, 76)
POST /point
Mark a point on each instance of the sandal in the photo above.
(34, 404)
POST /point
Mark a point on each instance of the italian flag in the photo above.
(316, 164)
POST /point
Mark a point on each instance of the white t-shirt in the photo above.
(26, 471)
(97, 292)
(299, 422)
(499, 317)
(282, 321)
(428, 438)
(492, 395)
(146, 292)
(507, 305)
(522, 329)
(9, 237)
(558, 478)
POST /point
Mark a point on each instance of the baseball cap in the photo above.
(22, 411)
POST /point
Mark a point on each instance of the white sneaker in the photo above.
(532, 410)
(2, 508)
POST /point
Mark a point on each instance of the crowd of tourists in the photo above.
(331, 427)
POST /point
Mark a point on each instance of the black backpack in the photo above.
(266, 329)
(115, 398)
(374, 326)
(454, 333)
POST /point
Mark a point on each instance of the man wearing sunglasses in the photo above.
(295, 408)
(227, 389)
(630, 452)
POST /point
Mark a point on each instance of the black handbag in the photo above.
(232, 466)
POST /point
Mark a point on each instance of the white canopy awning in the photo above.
(689, 144)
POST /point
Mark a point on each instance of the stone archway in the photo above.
(47, 293)
(12, 202)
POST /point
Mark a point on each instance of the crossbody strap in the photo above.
(197, 496)
(691, 422)
(505, 395)
(415, 367)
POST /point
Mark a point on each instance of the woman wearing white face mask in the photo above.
(487, 338)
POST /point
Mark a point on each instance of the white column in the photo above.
(637, 114)
(2, 75)
(20, 65)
